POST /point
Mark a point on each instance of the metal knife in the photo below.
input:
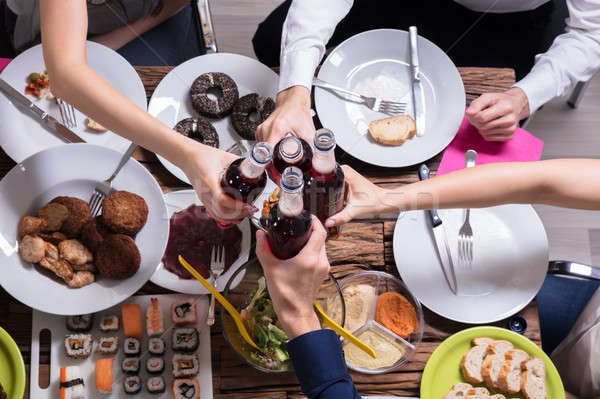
(439, 232)
(417, 87)
(52, 124)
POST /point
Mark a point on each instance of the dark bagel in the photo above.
(214, 108)
(199, 129)
(244, 107)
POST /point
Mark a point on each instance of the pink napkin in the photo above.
(4, 62)
(523, 147)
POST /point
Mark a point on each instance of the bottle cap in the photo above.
(290, 147)
(292, 179)
(261, 153)
(517, 324)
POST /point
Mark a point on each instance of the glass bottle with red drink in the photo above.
(245, 179)
(289, 224)
(324, 187)
(290, 151)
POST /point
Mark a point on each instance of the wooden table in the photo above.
(364, 244)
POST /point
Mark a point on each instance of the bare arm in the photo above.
(64, 46)
(571, 183)
(121, 36)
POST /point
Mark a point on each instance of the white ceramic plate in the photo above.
(510, 260)
(176, 201)
(384, 54)
(21, 134)
(171, 103)
(73, 170)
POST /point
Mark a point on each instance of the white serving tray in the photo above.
(57, 327)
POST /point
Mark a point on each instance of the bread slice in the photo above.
(394, 130)
(493, 362)
(473, 360)
(509, 379)
(533, 380)
(458, 391)
(478, 393)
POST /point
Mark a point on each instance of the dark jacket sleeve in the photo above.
(319, 363)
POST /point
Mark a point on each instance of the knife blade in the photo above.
(51, 123)
(441, 242)
(417, 87)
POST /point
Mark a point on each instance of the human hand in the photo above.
(293, 302)
(363, 197)
(292, 114)
(497, 115)
(204, 165)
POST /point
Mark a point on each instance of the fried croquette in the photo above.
(31, 225)
(52, 262)
(92, 233)
(32, 249)
(118, 257)
(75, 252)
(54, 238)
(54, 214)
(81, 279)
(79, 214)
(124, 212)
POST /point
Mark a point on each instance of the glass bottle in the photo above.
(290, 151)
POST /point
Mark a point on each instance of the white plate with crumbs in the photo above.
(22, 135)
(376, 63)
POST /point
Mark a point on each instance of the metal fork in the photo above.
(376, 104)
(217, 266)
(465, 234)
(103, 188)
(67, 113)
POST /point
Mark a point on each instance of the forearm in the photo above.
(119, 37)
(572, 183)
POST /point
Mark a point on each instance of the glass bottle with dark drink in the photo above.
(245, 179)
(289, 224)
(290, 151)
(324, 185)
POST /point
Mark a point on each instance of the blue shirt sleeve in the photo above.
(319, 363)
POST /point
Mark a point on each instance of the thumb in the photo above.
(317, 236)
(263, 250)
(479, 104)
(342, 217)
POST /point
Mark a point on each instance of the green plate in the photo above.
(12, 367)
(443, 367)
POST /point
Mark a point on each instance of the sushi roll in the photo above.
(132, 384)
(71, 383)
(156, 346)
(78, 346)
(130, 365)
(154, 319)
(155, 365)
(109, 323)
(108, 345)
(184, 312)
(81, 323)
(184, 339)
(104, 374)
(185, 366)
(132, 320)
(131, 347)
(186, 389)
(156, 385)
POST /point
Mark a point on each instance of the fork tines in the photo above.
(67, 113)
(392, 108)
(95, 203)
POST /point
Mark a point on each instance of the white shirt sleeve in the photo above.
(307, 28)
(573, 57)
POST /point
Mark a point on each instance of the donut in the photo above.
(220, 107)
(199, 129)
(242, 110)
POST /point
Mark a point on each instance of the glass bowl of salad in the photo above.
(246, 290)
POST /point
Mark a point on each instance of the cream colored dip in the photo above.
(360, 300)
(387, 350)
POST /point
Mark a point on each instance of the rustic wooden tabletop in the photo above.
(364, 244)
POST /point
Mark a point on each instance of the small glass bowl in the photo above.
(384, 282)
(238, 291)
